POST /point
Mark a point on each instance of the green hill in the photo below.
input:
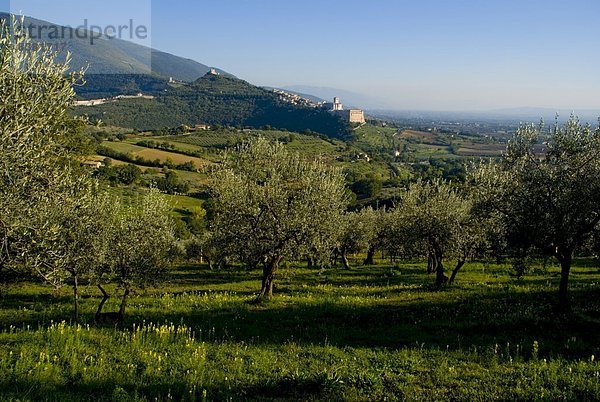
(216, 99)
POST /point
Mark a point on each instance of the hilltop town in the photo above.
(335, 107)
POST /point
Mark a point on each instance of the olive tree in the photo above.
(142, 246)
(205, 248)
(84, 222)
(358, 231)
(435, 219)
(548, 200)
(69, 235)
(379, 235)
(272, 205)
(52, 213)
(35, 133)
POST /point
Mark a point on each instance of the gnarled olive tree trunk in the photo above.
(270, 268)
(76, 298)
(344, 255)
(566, 260)
(370, 260)
(440, 278)
(458, 267)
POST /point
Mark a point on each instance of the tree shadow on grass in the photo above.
(455, 324)
(31, 301)
(301, 389)
(339, 314)
(194, 275)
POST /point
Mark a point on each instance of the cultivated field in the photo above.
(153, 154)
(421, 136)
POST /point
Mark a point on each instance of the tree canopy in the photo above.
(273, 205)
(549, 200)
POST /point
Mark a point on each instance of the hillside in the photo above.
(113, 56)
(215, 99)
(99, 86)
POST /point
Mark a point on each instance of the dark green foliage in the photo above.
(123, 174)
(447, 169)
(166, 146)
(367, 187)
(171, 184)
(99, 86)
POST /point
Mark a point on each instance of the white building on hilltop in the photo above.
(350, 115)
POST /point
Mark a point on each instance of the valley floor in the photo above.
(370, 333)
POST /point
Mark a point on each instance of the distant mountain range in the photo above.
(113, 56)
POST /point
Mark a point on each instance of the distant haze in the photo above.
(464, 55)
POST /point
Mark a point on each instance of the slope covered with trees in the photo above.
(216, 99)
(98, 86)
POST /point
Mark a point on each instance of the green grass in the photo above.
(371, 333)
(377, 139)
(180, 205)
(315, 147)
(178, 145)
(123, 147)
(183, 205)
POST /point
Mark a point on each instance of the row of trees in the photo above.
(271, 206)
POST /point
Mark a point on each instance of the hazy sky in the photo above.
(427, 54)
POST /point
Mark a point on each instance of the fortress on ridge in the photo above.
(350, 115)
(335, 108)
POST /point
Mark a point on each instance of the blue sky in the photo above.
(428, 54)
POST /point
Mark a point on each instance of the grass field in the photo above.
(153, 154)
(377, 139)
(179, 145)
(183, 205)
(123, 147)
(374, 333)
